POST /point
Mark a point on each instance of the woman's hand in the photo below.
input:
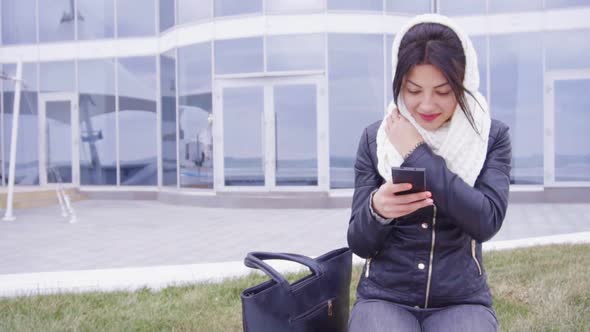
(401, 133)
(389, 206)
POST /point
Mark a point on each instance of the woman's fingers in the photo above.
(405, 209)
(411, 198)
(393, 188)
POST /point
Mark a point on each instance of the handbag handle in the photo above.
(256, 260)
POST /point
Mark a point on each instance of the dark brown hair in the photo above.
(437, 45)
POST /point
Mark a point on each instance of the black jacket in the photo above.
(432, 257)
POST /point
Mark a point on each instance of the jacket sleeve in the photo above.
(366, 235)
(479, 210)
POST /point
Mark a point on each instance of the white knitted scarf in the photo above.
(462, 148)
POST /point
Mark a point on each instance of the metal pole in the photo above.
(8, 216)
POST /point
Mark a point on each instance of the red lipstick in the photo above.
(429, 117)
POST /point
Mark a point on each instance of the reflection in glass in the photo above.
(168, 93)
(357, 94)
(462, 7)
(550, 4)
(166, 14)
(388, 70)
(136, 79)
(136, 18)
(296, 135)
(27, 158)
(19, 25)
(96, 81)
(506, 6)
(193, 10)
(410, 7)
(243, 55)
(233, 7)
(516, 76)
(373, 5)
(96, 19)
(295, 52)
(480, 45)
(572, 151)
(194, 116)
(295, 7)
(58, 135)
(57, 76)
(567, 49)
(56, 20)
(243, 138)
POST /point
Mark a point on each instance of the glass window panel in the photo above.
(57, 76)
(291, 7)
(296, 131)
(27, 158)
(388, 70)
(480, 45)
(166, 14)
(169, 143)
(505, 6)
(194, 116)
(233, 7)
(58, 131)
(356, 74)
(19, 25)
(412, 7)
(136, 79)
(295, 52)
(56, 20)
(136, 18)
(239, 56)
(96, 19)
(243, 138)
(572, 151)
(193, 10)
(567, 49)
(98, 151)
(373, 5)
(550, 4)
(462, 7)
(516, 70)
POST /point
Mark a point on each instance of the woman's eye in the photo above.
(444, 93)
(414, 92)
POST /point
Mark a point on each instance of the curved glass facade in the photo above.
(266, 95)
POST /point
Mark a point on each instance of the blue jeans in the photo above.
(378, 315)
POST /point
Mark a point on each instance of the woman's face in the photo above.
(428, 96)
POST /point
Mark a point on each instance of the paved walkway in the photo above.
(114, 234)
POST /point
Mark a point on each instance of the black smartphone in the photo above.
(415, 176)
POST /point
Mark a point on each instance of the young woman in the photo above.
(423, 268)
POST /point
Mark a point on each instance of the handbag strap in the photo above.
(256, 260)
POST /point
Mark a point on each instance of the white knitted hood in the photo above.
(463, 149)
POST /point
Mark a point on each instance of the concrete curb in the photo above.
(158, 277)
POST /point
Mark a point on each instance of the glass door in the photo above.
(567, 134)
(58, 148)
(295, 126)
(270, 133)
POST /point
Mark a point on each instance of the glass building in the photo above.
(214, 96)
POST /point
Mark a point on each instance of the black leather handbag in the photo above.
(317, 302)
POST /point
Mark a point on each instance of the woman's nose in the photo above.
(427, 105)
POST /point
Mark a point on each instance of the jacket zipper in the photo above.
(431, 257)
(330, 309)
(367, 266)
(474, 256)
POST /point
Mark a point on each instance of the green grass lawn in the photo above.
(535, 289)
